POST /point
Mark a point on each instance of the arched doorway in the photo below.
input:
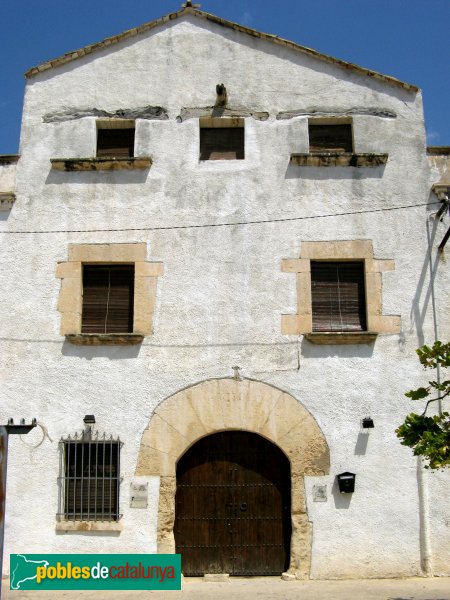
(233, 506)
(217, 405)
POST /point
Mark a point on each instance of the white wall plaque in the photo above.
(319, 493)
(138, 495)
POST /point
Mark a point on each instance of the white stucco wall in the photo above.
(7, 176)
(220, 301)
(8, 167)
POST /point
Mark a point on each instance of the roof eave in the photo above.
(109, 41)
(71, 56)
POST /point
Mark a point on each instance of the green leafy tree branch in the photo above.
(429, 437)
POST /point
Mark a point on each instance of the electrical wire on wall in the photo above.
(211, 225)
(45, 434)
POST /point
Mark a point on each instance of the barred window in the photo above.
(89, 478)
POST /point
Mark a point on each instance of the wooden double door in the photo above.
(233, 506)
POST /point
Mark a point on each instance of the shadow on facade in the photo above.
(94, 177)
(90, 352)
(335, 173)
(342, 351)
(340, 500)
(361, 444)
(425, 293)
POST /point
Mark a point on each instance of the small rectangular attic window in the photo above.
(330, 137)
(115, 138)
(222, 138)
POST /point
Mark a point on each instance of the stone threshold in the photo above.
(341, 337)
(338, 159)
(105, 339)
(216, 577)
(82, 526)
(225, 577)
(104, 163)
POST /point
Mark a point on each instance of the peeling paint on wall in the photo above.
(145, 112)
(317, 112)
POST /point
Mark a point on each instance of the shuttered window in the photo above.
(332, 138)
(221, 143)
(338, 296)
(108, 294)
(115, 142)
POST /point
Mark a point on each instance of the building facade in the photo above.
(219, 255)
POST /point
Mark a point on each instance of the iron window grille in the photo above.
(89, 477)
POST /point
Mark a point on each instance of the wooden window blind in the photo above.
(338, 296)
(221, 143)
(115, 142)
(332, 138)
(108, 295)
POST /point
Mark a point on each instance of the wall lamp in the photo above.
(89, 419)
(367, 423)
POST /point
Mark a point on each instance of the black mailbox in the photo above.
(346, 482)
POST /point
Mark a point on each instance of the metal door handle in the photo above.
(244, 506)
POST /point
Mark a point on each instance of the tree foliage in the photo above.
(429, 436)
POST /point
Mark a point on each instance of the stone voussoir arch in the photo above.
(234, 404)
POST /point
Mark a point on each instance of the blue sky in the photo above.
(408, 39)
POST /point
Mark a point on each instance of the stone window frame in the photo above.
(70, 299)
(355, 250)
